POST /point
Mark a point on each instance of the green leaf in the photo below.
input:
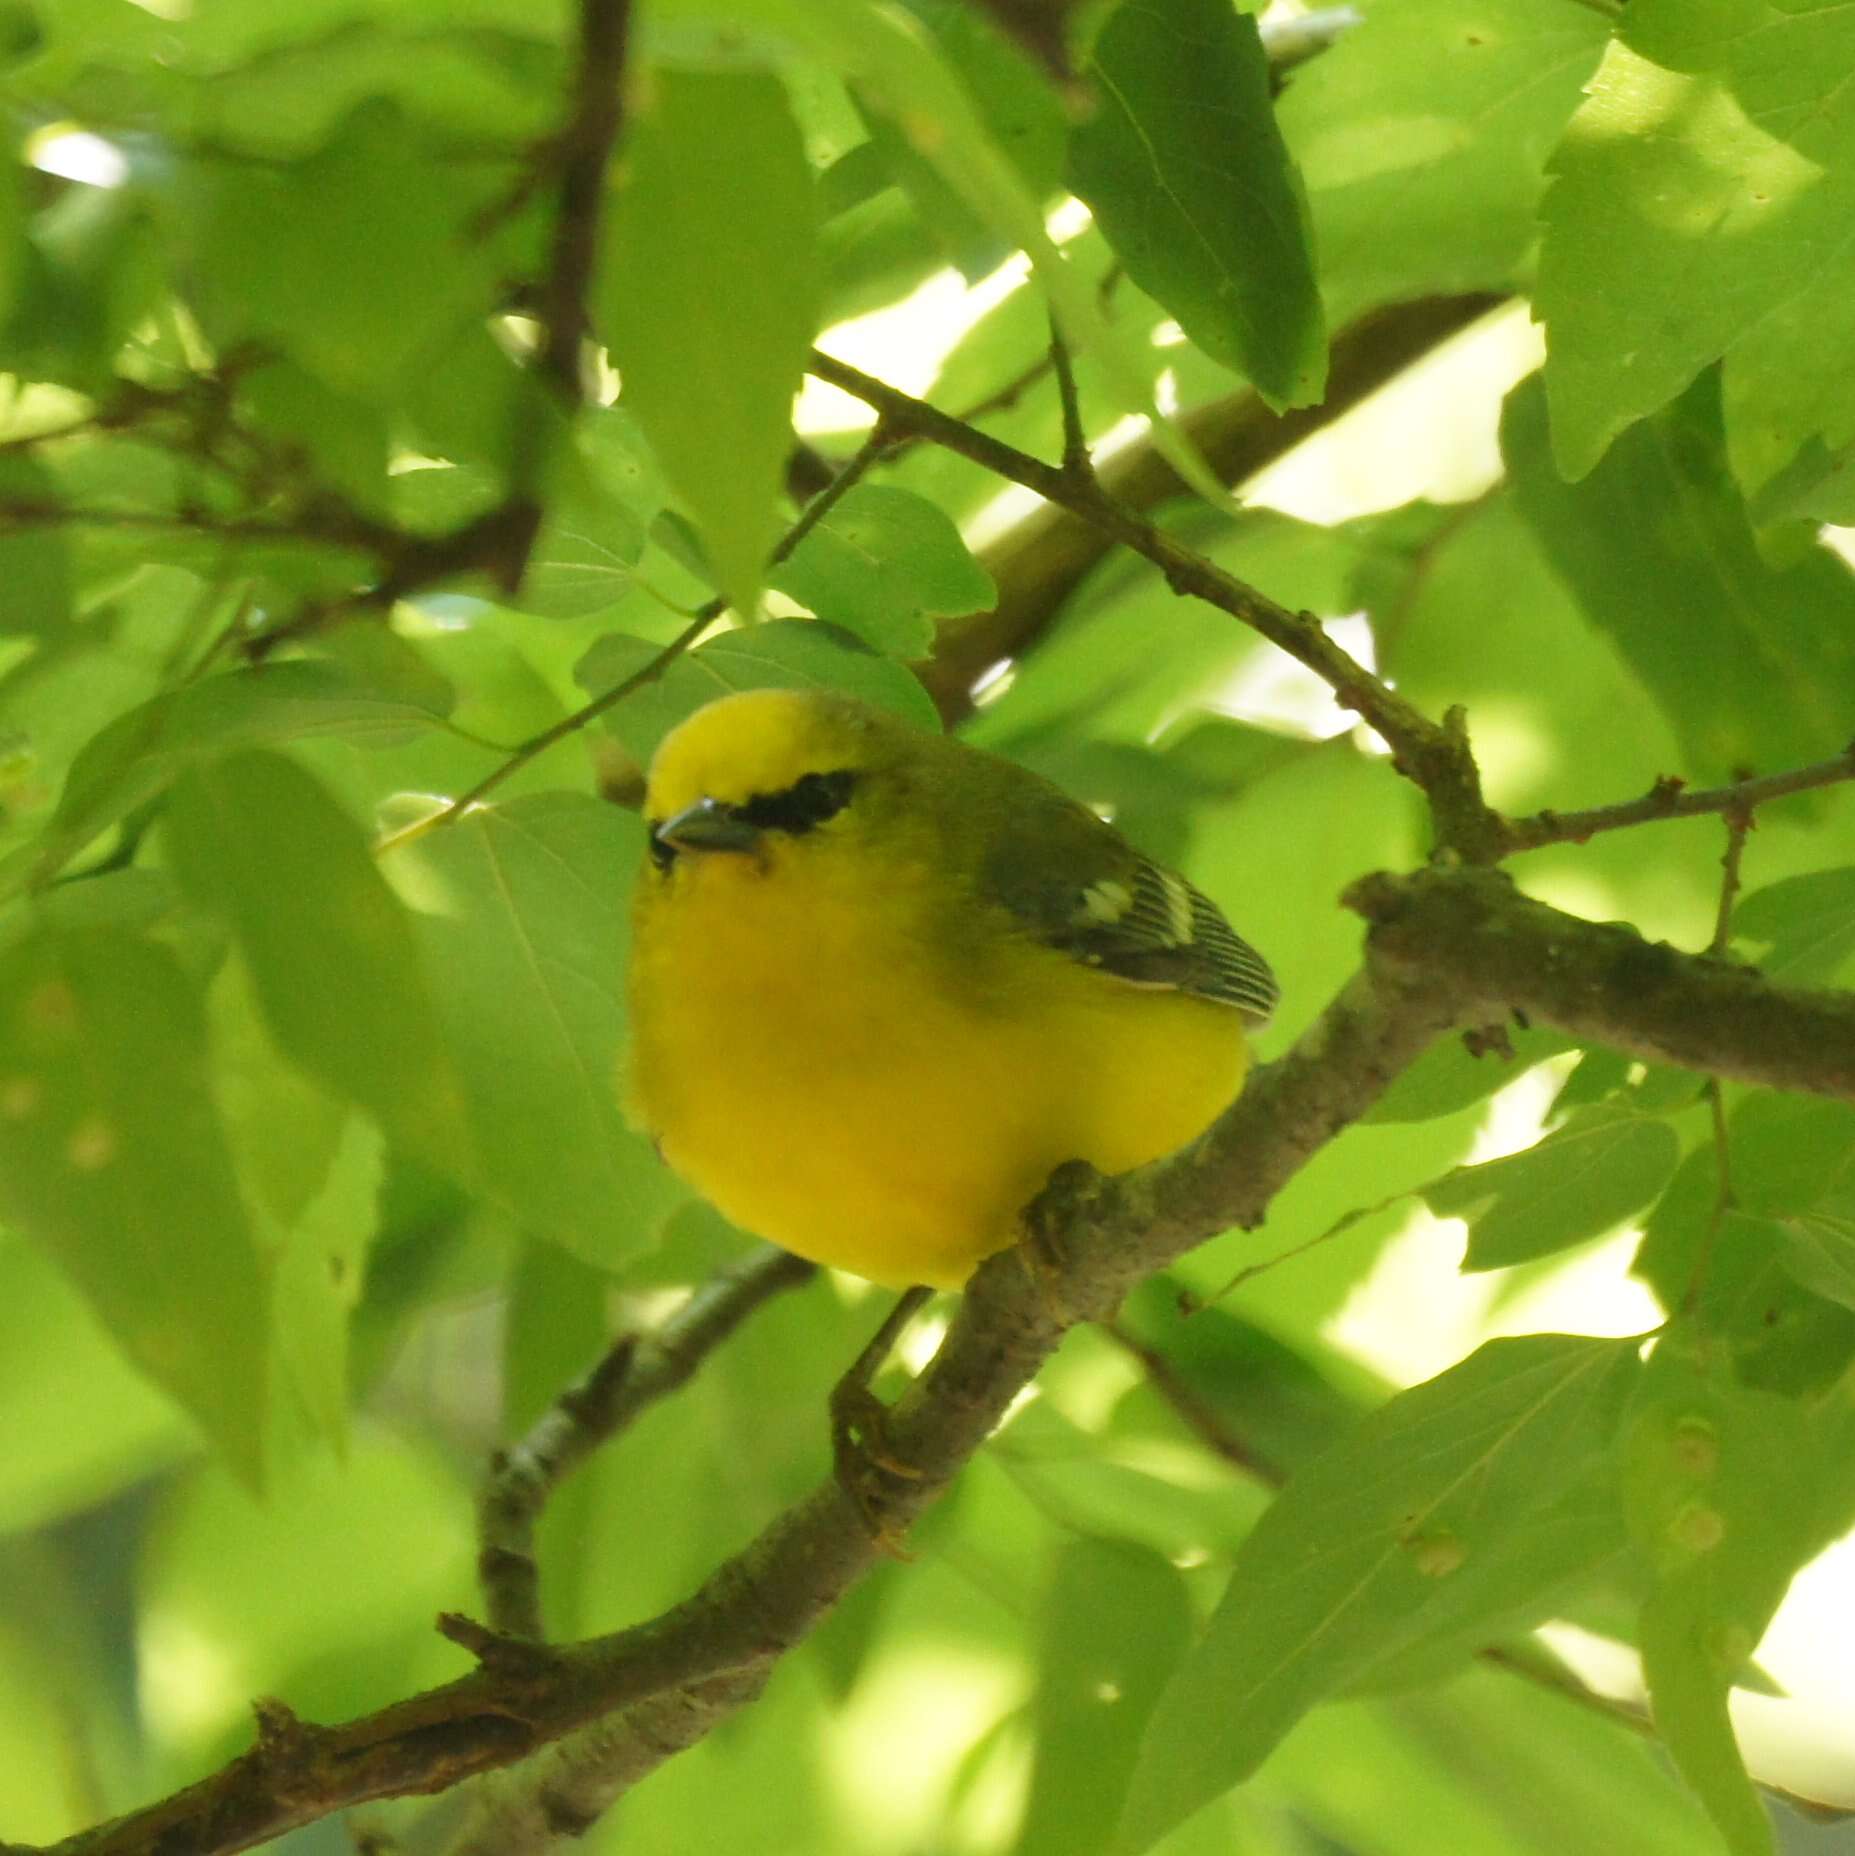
(321, 1270)
(367, 1547)
(1806, 925)
(1434, 117)
(1579, 1182)
(1718, 142)
(781, 654)
(143, 751)
(112, 1157)
(1723, 1495)
(884, 564)
(523, 911)
(593, 536)
(332, 955)
(897, 68)
(35, 559)
(1185, 171)
(113, 1426)
(1117, 1619)
(1749, 1274)
(708, 296)
(1454, 1512)
(1754, 666)
(349, 274)
(1453, 1072)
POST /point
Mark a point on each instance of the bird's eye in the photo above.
(807, 802)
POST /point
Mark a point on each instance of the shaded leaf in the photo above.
(884, 564)
(1456, 1509)
(1806, 924)
(144, 750)
(1185, 171)
(523, 913)
(112, 1157)
(1722, 1491)
(349, 272)
(1116, 1621)
(333, 958)
(35, 558)
(1753, 665)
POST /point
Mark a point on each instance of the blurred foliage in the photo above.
(314, 1170)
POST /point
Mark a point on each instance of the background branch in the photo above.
(635, 1371)
(1435, 756)
(1039, 562)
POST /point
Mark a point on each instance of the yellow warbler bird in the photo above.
(883, 984)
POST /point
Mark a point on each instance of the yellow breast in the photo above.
(812, 1061)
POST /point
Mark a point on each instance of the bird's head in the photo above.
(764, 769)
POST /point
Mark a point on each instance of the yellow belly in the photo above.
(810, 1067)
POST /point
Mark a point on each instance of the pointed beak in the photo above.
(708, 825)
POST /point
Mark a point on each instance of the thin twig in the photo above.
(635, 1372)
(536, 744)
(1738, 825)
(1075, 438)
(832, 494)
(1435, 757)
(1671, 798)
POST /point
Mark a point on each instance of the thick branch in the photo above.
(1435, 757)
(1502, 951)
(636, 1371)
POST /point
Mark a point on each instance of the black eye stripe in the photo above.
(806, 803)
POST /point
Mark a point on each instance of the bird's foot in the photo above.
(1044, 1251)
(863, 1458)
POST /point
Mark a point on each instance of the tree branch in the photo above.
(635, 1372)
(1040, 560)
(594, 121)
(1603, 981)
(1435, 757)
(1670, 798)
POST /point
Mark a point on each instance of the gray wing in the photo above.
(1153, 928)
(1077, 885)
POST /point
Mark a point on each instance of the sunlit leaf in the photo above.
(716, 212)
(783, 654)
(1580, 1181)
(884, 564)
(1718, 141)
(1185, 170)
